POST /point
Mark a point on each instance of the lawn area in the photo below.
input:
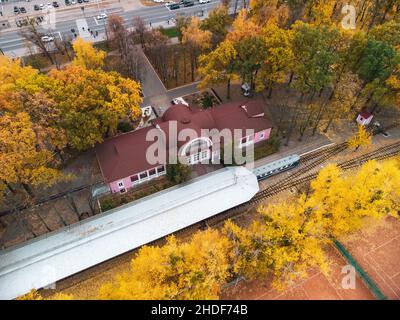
(170, 32)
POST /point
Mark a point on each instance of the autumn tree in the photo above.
(197, 40)
(193, 270)
(217, 23)
(30, 128)
(93, 102)
(219, 66)
(139, 29)
(278, 58)
(286, 243)
(22, 159)
(344, 201)
(250, 47)
(87, 56)
(362, 138)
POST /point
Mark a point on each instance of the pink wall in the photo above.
(127, 184)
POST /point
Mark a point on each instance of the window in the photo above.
(244, 140)
(120, 184)
(262, 135)
(160, 169)
(196, 157)
(123, 190)
(143, 175)
(204, 154)
(134, 178)
(189, 160)
(152, 172)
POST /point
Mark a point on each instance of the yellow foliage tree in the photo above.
(34, 295)
(219, 66)
(362, 138)
(93, 102)
(286, 243)
(87, 56)
(22, 160)
(344, 200)
(196, 39)
(193, 270)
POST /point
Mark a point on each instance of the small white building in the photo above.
(364, 118)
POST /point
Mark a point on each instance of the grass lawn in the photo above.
(170, 32)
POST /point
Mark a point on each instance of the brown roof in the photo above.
(124, 155)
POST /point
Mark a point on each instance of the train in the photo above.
(272, 168)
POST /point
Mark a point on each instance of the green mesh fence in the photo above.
(364, 276)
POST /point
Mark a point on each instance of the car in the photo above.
(67, 3)
(80, 1)
(86, 1)
(188, 3)
(73, 2)
(47, 38)
(16, 10)
(158, 1)
(246, 89)
(174, 6)
(22, 10)
(55, 4)
(36, 7)
(49, 6)
(101, 16)
(41, 6)
(180, 100)
(204, 1)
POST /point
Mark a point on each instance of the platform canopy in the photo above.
(44, 260)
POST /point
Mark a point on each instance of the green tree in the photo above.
(178, 173)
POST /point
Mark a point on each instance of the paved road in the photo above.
(12, 43)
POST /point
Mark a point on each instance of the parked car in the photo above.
(73, 2)
(41, 6)
(16, 10)
(188, 3)
(101, 16)
(47, 38)
(246, 89)
(86, 1)
(67, 3)
(180, 100)
(36, 7)
(80, 1)
(174, 6)
(49, 6)
(204, 1)
(55, 4)
(22, 10)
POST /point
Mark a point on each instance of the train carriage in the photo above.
(276, 167)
